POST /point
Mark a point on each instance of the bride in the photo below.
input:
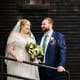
(19, 37)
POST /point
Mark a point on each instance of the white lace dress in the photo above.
(20, 69)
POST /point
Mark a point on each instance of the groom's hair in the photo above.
(51, 21)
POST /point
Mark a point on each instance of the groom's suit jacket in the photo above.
(56, 50)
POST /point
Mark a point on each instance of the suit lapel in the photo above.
(52, 38)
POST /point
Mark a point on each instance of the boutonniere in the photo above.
(52, 40)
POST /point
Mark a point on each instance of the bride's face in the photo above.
(26, 28)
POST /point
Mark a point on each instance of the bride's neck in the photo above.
(24, 34)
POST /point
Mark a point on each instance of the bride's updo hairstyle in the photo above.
(24, 22)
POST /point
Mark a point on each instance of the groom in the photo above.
(54, 47)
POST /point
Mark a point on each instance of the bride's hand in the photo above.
(36, 61)
(19, 60)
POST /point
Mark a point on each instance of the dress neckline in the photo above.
(22, 36)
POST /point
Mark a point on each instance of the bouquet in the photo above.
(35, 51)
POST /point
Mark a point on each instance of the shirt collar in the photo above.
(49, 32)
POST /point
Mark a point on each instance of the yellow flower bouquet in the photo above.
(35, 51)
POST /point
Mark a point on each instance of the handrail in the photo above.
(40, 65)
(19, 77)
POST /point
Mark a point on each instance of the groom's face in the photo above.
(45, 25)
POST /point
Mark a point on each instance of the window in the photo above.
(33, 3)
(36, 2)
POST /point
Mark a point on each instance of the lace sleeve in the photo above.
(10, 44)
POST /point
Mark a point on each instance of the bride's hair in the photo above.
(25, 22)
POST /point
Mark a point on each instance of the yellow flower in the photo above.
(34, 50)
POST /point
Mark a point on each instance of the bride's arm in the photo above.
(11, 49)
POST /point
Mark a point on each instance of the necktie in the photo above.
(44, 43)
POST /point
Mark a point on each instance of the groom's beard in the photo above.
(45, 30)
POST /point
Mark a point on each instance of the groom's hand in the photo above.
(60, 69)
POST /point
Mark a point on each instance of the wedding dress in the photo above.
(20, 69)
